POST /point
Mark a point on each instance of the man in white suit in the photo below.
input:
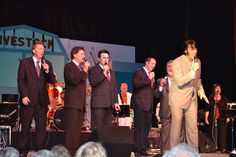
(185, 87)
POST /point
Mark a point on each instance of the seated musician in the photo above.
(124, 98)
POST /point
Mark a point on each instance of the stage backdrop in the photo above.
(16, 43)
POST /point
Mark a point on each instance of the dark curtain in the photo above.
(156, 28)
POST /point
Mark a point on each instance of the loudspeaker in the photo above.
(206, 145)
(117, 140)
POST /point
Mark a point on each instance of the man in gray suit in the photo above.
(104, 91)
(185, 86)
(162, 93)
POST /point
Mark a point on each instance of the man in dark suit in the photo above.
(33, 75)
(75, 74)
(162, 93)
(141, 102)
(104, 91)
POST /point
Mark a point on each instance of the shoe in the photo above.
(224, 151)
(23, 154)
(137, 154)
(145, 153)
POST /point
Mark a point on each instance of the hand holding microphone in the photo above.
(151, 75)
(86, 66)
(45, 65)
(195, 65)
(106, 69)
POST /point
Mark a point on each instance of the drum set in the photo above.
(55, 115)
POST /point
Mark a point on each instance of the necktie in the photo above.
(108, 76)
(80, 67)
(38, 67)
(152, 81)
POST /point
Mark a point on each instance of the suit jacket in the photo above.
(222, 106)
(32, 86)
(164, 100)
(142, 96)
(184, 86)
(104, 92)
(75, 84)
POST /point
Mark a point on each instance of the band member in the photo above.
(216, 115)
(33, 75)
(75, 74)
(185, 86)
(124, 98)
(141, 102)
(104, 91)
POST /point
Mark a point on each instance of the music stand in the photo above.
(124, 111)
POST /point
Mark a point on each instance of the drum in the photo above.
(58, 118)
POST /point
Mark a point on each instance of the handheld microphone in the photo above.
(43, 60)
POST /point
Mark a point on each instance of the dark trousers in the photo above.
(101, 117)
(40, 116)
(73, 125)
(142, 124)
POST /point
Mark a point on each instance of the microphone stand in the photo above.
(215, 127)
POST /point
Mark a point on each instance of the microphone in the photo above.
(43, 60)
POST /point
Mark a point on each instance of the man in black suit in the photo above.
(141, 102)
(104, 91)
(162, 93)
(75, 74)
(33, 75)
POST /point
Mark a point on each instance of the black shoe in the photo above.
(23, 153)
(145, 153)
(137, 154)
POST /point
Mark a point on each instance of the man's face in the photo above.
(38, 51)
(79, 57)
(169, 69)
(150, 65)
(191, 52)
(103, 59)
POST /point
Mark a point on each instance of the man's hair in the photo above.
(60, 151)
(103, 51)
(74, 51)
(89, 149)
(36, 42)
(190, 43)
(181, 149)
